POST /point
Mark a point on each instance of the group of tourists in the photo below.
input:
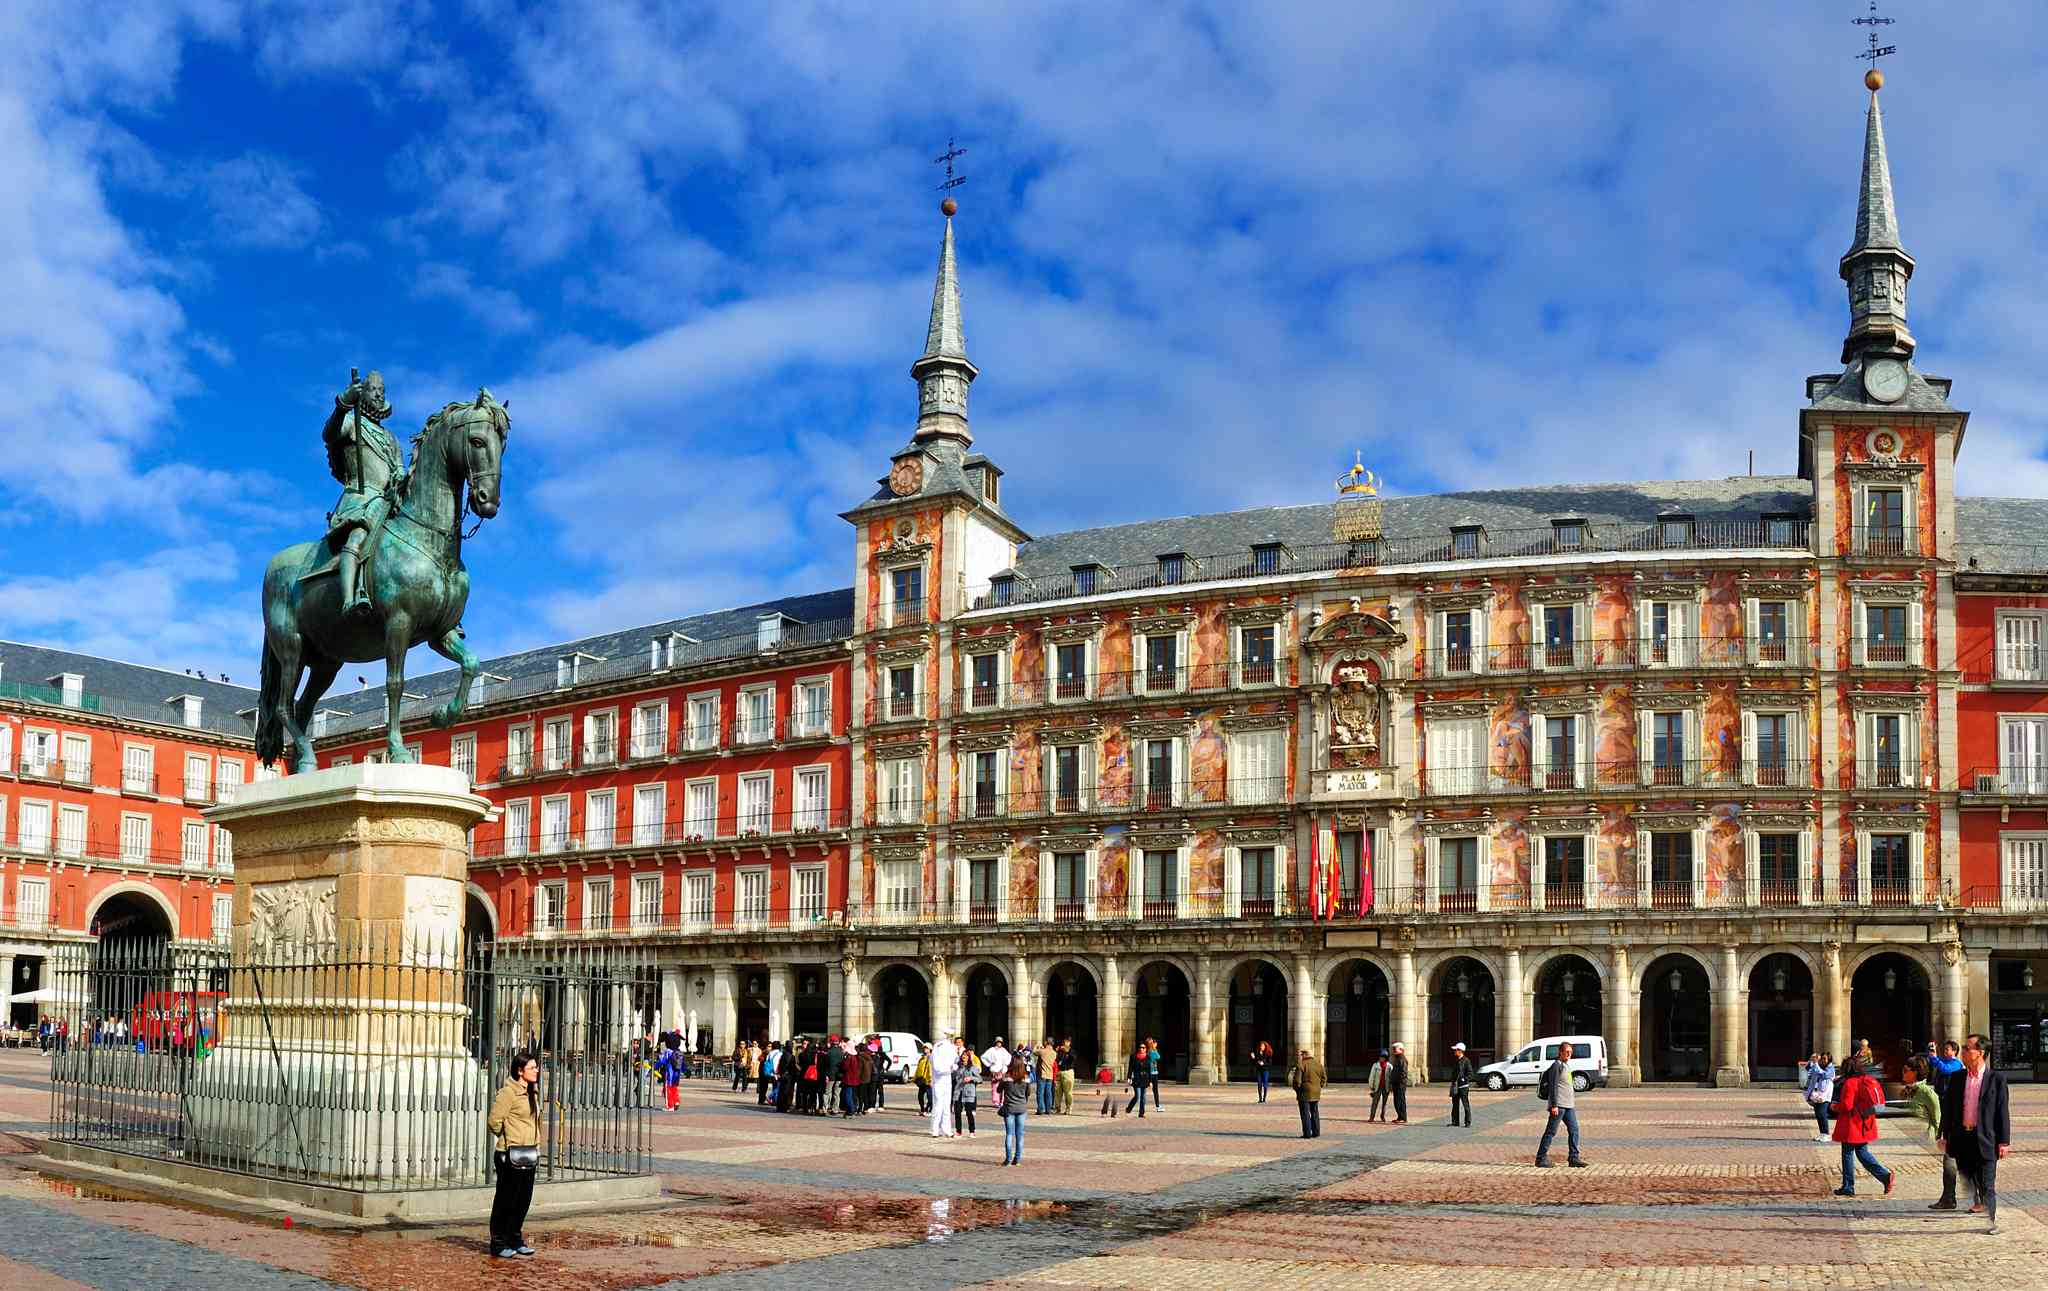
(949, 1075)
(1959, 1108)
(828, 1077)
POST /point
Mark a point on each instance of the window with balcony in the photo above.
(138, 769)
(700, 810)
(757, 795)
(1777, 869)
(1564, 872)
(1159, 763)
(32, 902)
(812, 802)
(1669, 748)
(1069, 885)
(1671, 868)
(2023, 754)
(1255, 655)
(198, 778)
(1891, 869)
(1457, 633)
(983, 801)
(903, 691)
(601, 738)
(32, 826)
(1258, 761)
(899, 895)
(650, 729)
(223, 850)
(902, 791)
(1669, 631)
(2023, 871)
(984, 679)
(38, 753)
(2019, 646)
(229, 779)
(1457, 761)
(462, 755)
(77, 751)
(1457, 874)
(1889, 755)
(697, 907)
(983, 892)
(1162, 663)
(1560, 643)
(554, 824)
(1173, 567)
(808, 900)
(1002, 590)
(1674, 531)
(134, 838)
(1351, 844)
(1070, 671)
(70, 831)
(1162, 884)
(597, 905)
(1465, 541)
(1770, 631)
(600, 819)
(647, 901)
(1568, 535)
(1265, 558)
(1067, 777)
(813, 709)
(1086, 577)
(518, 750)
(555, 743)
(223, 919)
(756, 723)
(192, 844)
(648, 806)
(703, 722)
(1884, 522)
(753, 902)
(1256, 880)
(1559, 741)
(1884, 634)
(551, 907)
(1772, 758)
(906, 594)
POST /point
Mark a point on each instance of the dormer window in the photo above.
(1465, 541)
(1782, 531)
(1085, 579)
(70, 688)
(768, 631)
(1173, 567)
(189, 708)
(1266, 558)
(1568, 534)
(1674, 530)
(1002, 590)
(989, 489)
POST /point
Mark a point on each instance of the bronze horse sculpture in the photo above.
(415, 579)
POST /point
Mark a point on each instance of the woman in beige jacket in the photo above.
(514, 1122)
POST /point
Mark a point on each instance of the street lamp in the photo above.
(1358, 983)
(1779, 979)
(1258, 986)
(2027, 977)
(1891, 979)
(1676, 982)
(1464, 985)
(1567, 983)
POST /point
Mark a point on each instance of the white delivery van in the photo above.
(1588, 1063)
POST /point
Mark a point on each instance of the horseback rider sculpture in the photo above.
(365, 458)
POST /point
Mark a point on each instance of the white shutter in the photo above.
(1645, 638)
(1539, 751)
(1642, 867)
(1859, 629)
(1582, 647)
(1692, 760)
(1798, 767)
(1752, 859)
(1180, 883)
(1432, 871)
(1699, 870)
(1644, 726)
(1909, 751)
(1907, 508)
(1749, 757)
(1750, 629)
(1482, 879)
(1480, 647)
(1916, 651)
(1806, 848)
(1582, 731)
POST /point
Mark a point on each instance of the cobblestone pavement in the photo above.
(1688, 1188)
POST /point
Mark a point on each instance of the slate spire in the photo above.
(1876, 266)
(943, 371)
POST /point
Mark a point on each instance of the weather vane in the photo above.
(953, 181)
(1876, 51)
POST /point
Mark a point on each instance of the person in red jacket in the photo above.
(1857, 1098)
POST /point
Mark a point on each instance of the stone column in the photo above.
(1206, 1063)
(1619, 999)
(947, 1015)
(6, 990)
(347, 927)
(673, 1005)
(778, 1002)
(1514, 1008)
(1109, 1011)
(1731, 1024)
(1407, 1018)
(1026, 1014)
(1834, 1002)
(1978, 1017)
(1301, 1009)
(853, 992)
(835, 999)
(725, 1009)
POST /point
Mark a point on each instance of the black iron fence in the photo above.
(367, 1065)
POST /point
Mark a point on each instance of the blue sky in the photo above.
(1207, 253)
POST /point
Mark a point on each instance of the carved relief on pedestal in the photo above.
(291, 920)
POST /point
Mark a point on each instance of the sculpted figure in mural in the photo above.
(284, 917)
(1354, 717)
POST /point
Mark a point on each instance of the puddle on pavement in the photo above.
(935, 1220)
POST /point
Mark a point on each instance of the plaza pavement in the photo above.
(1689, 1188)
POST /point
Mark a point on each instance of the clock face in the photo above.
(907, 477)
(1884, 379)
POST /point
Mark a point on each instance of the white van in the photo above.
(900, 1051)
(1588, 1063)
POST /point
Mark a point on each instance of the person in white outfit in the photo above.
(995, 1059)
(945, 1060)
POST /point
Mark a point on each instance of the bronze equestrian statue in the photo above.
(388, 575)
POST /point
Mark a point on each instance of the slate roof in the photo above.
(1501, 511)
(133, 691)
(729, 633)
(2002, 535)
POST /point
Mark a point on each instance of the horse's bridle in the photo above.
(470, 479)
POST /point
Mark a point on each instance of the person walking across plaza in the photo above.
(1820, 1091)
(1152, 1069)
(1461, 1084)
(1047, 1060)
(670, 1065)
(1947, 1064)
(1976, 1125)
(1013, 1100)
(1857, 1098)
(1262, 1067)
(1379, 1082)
(966, 1091)
(945, 1059)
(1063, 1084)
(1307, 1082)
(514, 1124)
(1141, 1066)
(1399, 1078)
(739, 1066)
(1554, 1086)
(1924, 1101)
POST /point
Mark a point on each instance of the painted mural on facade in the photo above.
(1208, 760)
(1614, 849)
(1724, 863)
(1113, 868)
(1510, 855)
(1614, 738)
(1205, 870)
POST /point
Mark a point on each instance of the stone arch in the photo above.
(879, 1006)
(490, 907)
(988, 1004)
(1354, 1026)
(1895, 1019)
(132, 888)
(1073, 1011)
(1922, 956)
(1470, 1016)
(1169, 1019)
(1139, 963)
(1262, 1007)
(1041, 973)
(1782, 1023)
(1556, 1011)
(1426, 970)
(1325, 965)
(1676, 1025)
(871, 981)
(1534, 970)
(1746, 963)
(1704, 959)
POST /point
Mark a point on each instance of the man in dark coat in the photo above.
(1461, 1084)
(1400, 1084)
(1976, 1125)
(1307, 1079)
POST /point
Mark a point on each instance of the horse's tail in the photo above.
(269, 725)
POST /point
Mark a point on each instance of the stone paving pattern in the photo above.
(1689, 1188)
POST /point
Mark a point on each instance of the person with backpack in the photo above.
(670, 1067)
(1820, 1091)
(1856, 1103)
(1554, 1087)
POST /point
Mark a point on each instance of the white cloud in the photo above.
(257, 202)
(496, 308)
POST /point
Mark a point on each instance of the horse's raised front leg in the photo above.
(451, 646)
(397, 640)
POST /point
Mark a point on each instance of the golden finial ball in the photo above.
(947, 207)
(1873, 80)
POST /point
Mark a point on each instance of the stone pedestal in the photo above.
(340, 1057)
